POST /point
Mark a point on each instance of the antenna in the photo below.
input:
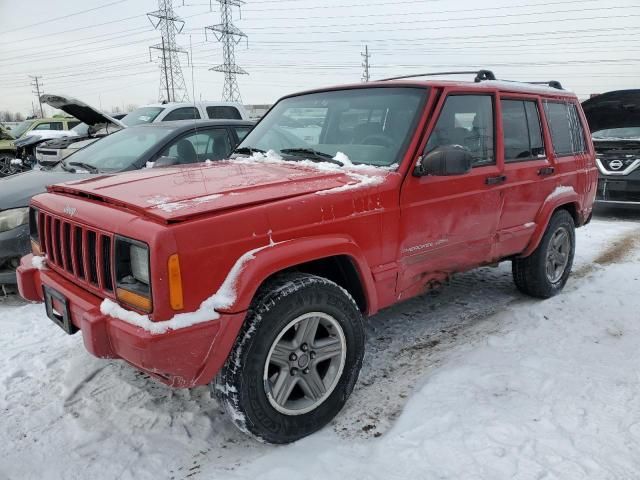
(229, 35)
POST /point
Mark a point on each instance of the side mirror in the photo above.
(445, 161)
(165, 162)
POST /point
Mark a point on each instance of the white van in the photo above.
(166, 112)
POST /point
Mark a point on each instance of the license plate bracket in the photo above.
(57, 307)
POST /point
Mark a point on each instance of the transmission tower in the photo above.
(172, 86)
(365, 64)
(35, 83)
(229, 35)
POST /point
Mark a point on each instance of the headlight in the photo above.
(139, 263)
(133, 284)
(10, 219)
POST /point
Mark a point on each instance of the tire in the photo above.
(532, 275)
(253, 384)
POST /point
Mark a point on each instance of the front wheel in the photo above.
(296, 360)
(545, 272)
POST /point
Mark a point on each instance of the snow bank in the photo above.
(225, 297)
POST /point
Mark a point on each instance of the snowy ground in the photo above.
(475, 382)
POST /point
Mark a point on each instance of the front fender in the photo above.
(287, 254)
(561, 196)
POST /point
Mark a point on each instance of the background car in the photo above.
(59, 123)
(129, 149)
(614, 120)
(168, 112)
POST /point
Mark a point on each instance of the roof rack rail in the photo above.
(480, 75)
(551, 83)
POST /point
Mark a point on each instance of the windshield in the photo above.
(118, 151)
(369, 125)
(82, 129)
(618, 133)
(141, 115)
(21, 128)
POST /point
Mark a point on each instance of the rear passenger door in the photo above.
(449, 222)
(528, 168)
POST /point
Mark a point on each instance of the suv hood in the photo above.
(79, 110)
(175, 193)
(617, 109)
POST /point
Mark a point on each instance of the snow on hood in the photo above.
(80, 110)
(617, 109)
(175, 193)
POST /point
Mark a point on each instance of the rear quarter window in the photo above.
(224, 111)
(567, 132)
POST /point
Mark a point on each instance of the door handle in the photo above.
(496, 180)
(544, 171)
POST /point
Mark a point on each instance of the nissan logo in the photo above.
(616, 164)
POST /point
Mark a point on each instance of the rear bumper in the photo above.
(183, 358)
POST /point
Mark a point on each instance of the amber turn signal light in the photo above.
(133, 299)
(175, 283)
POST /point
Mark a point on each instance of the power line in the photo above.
(229, 35)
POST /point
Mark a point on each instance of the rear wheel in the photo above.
(296, 359)
(545, 272)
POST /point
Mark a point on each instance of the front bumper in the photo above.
(181, 358)
(14, 244)
(619, 189)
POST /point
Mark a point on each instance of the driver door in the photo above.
(449, 222)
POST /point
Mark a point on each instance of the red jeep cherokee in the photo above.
(254, 274)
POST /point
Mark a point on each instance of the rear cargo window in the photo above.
(522, 132)
(567, 132)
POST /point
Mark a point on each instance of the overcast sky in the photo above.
(102, 56)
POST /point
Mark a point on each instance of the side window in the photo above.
(567, 133)
(224, 111)
(205, 145)
(72, 123)
(522, 131)
(467, 121)
(49, 126)
(242, 132)
(185, 113)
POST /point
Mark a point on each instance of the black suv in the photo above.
(614, 120)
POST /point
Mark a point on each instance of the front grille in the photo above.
(83, 253)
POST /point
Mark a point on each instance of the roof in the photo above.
(191, 104)
(486, 86)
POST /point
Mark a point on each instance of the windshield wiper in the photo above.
(249, 150)
(86, 166)
(317, 156)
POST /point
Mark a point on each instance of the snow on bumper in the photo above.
(181, 358)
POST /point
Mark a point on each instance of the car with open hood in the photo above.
(36, 128)
(95, 124)
(125, 150)
(253, 275)
(614, 120)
